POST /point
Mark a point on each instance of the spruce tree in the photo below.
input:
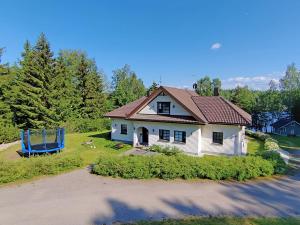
(31, 103)
(64, 94)
(91, 86)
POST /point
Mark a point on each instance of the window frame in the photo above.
(182, 134)
(162, 108)
(218, 138)
(124, 131)
(161, 135)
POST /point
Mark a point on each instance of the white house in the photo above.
(179, 117)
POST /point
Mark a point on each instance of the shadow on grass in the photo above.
(104, 135)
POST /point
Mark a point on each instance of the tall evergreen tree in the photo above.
(91, 86)
(31, 103)
(63, 95)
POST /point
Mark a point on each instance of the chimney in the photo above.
(216, 91)
(194, 86)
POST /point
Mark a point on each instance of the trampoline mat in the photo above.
(48, 146)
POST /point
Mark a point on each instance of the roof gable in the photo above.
(175, 107)
(202, 109)
(181, 96)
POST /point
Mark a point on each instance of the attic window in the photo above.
(163, 107)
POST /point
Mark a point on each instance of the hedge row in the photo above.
(270, 143)
(186, 167)
(37, 166)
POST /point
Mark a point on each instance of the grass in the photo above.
(288, 142)
(254, 145)
(12, 166)
(225, 221)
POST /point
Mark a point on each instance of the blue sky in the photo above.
(241, 42)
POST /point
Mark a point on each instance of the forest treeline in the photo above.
(41, 90)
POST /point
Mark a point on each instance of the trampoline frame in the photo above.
(32, 149)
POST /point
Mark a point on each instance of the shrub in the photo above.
(36, 166)
(271, 144)
(87, 125)
(8, 133)
(182, 166)
(166, 150)
(259, 135)
(274, 157)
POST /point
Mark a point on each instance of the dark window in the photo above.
(179, 136)
(163, 107)
(164, 135)
(123, 128)
(218, 137)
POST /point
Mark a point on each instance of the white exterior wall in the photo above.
(232, 136)
(175, 108)
(193, 135)
(198, 137)
(116, 130)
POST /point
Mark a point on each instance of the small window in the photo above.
(164, 135)
(123, 128)
(218, 137)
(163, 107)
(179, 136)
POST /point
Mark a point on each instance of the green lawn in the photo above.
(73, 145)
(226, 221)
(254, 145)
(15, 168)
(288, 143)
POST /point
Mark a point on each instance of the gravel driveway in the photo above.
(82, 198)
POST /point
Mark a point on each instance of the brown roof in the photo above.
(203, 109)
(125, 110)
(218, 110)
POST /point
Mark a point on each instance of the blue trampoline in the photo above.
(42, 141)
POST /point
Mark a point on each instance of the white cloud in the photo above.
(216, 46)
(258, 82)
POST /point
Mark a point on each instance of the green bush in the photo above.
(36, 166)
(271, 144)
(258, 135)
(8, 133)
(166, 150)
(274, 157)
(87, 125)
(182, 166)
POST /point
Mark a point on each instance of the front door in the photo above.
(145, 136)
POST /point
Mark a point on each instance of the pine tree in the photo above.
(31, 93)
(64, 94)
(91, 86)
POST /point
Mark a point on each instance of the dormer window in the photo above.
(163, 108)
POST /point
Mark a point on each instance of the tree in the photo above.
(244, 98)
(152, 88)
(91, 87)
(4, 68)
(290, 86)
(64, 97)
(204, 86)
(216, 83)
(30, 94)
(126, 86)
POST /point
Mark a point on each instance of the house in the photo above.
(286, 127)
(180, 117)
